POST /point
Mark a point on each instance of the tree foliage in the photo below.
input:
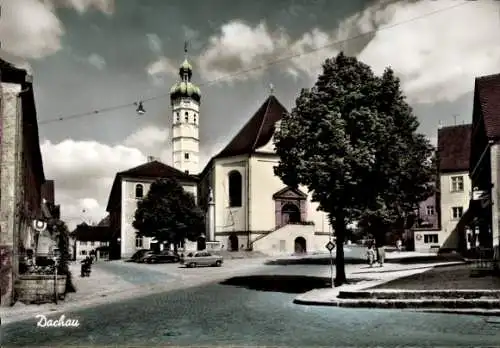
(59, 230)
(352, 141)
(168, 213)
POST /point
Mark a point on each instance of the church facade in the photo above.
(248, 207)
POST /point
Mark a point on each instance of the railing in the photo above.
(265, 234)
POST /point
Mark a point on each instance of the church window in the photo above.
(186, 155)
(139, 191)
(178, 117)
(186, 117)
(235, 188)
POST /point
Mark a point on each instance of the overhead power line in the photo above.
(139, 103)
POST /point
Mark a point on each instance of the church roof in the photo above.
(149, 170)
(257, 132)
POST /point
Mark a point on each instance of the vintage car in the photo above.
(161, 257)
(201, 258)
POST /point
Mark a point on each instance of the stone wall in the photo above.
(8, 183)
(39, 288)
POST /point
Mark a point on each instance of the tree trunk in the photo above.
(340, 230)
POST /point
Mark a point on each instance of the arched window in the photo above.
(186, 117)
(139, 191)
(178, 116)
(194, 118)
(235, 188)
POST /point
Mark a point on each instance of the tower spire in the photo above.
(185, 49)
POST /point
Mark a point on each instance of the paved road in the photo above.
(228, 315)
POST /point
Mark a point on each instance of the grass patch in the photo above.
(459, 277)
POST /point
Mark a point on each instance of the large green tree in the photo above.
(341, 142)
(407, 173)
(168, 213)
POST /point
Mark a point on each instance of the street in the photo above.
(238, 315)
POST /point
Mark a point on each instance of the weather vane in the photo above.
(185, 48)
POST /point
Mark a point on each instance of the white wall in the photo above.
(129, 206)
(450, 199)
(228, 219)
(185, 135)
(86, 247)
(495, 180)
(282, 241)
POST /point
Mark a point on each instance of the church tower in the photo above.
(185, 98)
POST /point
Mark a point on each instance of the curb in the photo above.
(410, 304)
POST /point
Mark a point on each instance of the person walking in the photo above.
(370, 253)
(379, 243)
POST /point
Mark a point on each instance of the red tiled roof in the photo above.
(487, 98)
(454, 148)
(257, 131)
(150, 170)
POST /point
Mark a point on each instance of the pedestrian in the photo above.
(399, 244)
(370, 253)
(379, 243)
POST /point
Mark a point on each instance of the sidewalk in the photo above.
(378, 276)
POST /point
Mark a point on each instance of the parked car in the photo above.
(161, 257)
(202, 258)
(144, 256)
(139, 254)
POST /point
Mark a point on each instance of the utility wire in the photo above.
(259, 67)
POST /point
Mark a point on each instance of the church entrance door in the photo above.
(233, 242)
(290, 214)
(300, 245)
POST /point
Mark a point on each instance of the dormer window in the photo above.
(186, 117)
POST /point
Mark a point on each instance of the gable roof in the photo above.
(454, 148)
(258, 131)
(86, 233)
(150, 170)
(289, 192)
(487, 99)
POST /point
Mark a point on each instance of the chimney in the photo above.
(151, 158)
(440, 125)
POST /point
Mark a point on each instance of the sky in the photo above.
(88, 55)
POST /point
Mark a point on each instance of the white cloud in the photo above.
(148, 138)
(438, 57)
(435, 54)
(97, 61)
(154, 42)
(83, 172)
(160, 69)
(82, 6)
(31, 28)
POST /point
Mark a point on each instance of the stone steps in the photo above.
(420, 294)
(408, 303)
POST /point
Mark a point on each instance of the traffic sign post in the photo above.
(330, 246)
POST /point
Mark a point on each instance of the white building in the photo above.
(454, 190)
(252, 208)
(128, 188)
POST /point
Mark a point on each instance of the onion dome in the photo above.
(185, 88)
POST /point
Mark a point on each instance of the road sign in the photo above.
(330, 246)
